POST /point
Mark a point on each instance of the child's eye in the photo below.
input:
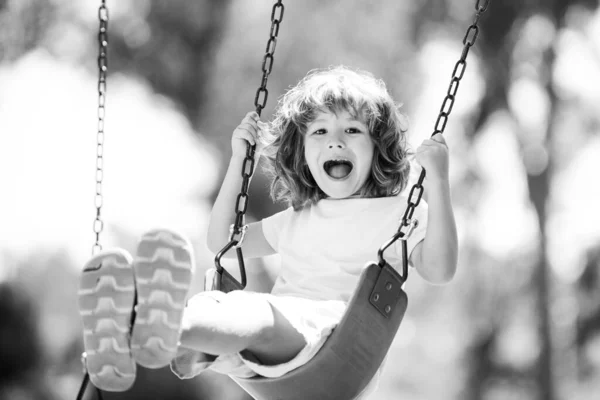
(319, 132)
(353, 130)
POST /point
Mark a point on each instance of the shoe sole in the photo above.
(106, 298)
(163, 268)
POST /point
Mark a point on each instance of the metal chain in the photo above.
(102, 69)
(416, 192)
(98, 199)
(260, 101)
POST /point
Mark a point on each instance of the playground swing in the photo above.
(353, 353)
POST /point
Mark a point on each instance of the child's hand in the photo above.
(250, 130)
(432, 154)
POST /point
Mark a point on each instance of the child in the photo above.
(338, 156)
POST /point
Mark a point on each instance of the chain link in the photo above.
(260, 101)
(102, 70)
(406, 223)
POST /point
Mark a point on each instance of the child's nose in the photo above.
(336, 142)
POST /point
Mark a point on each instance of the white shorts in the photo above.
(313, 319)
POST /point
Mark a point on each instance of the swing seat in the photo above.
(353, 353)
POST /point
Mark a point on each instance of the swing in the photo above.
(354, 352)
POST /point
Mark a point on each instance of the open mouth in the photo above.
(338, 169)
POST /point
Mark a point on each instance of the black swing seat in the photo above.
(353, 353)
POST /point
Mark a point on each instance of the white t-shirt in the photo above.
(324, 247)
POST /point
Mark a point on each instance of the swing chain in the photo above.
(238, 229)
(406, 223)
(260, 101)
(98, 198)
(102, 69)
(262, 94)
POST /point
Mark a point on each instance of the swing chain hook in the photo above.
(481, 8)
(242, 234)
(102, 71)
(260, 101)
(407, 226)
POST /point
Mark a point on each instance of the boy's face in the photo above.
(339, 151)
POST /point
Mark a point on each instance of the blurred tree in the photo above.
(171, 45)
(501, 27)
(22, 27)
(588, 319)
(19, 339)
(22, 374)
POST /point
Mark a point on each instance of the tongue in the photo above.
(339, 171)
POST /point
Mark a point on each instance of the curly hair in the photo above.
(331, 90)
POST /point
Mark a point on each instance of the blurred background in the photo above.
(521, 320)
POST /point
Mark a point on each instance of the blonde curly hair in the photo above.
(332, 90)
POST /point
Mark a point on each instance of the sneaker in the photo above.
(163, 268)
(106, 298)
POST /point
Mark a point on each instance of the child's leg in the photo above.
(163, 268)
(239, 321)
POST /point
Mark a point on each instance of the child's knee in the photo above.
(197, 309)
(253, 311)
(212, 317)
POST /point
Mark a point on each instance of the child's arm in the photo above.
(435, 258)
(223, 211)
